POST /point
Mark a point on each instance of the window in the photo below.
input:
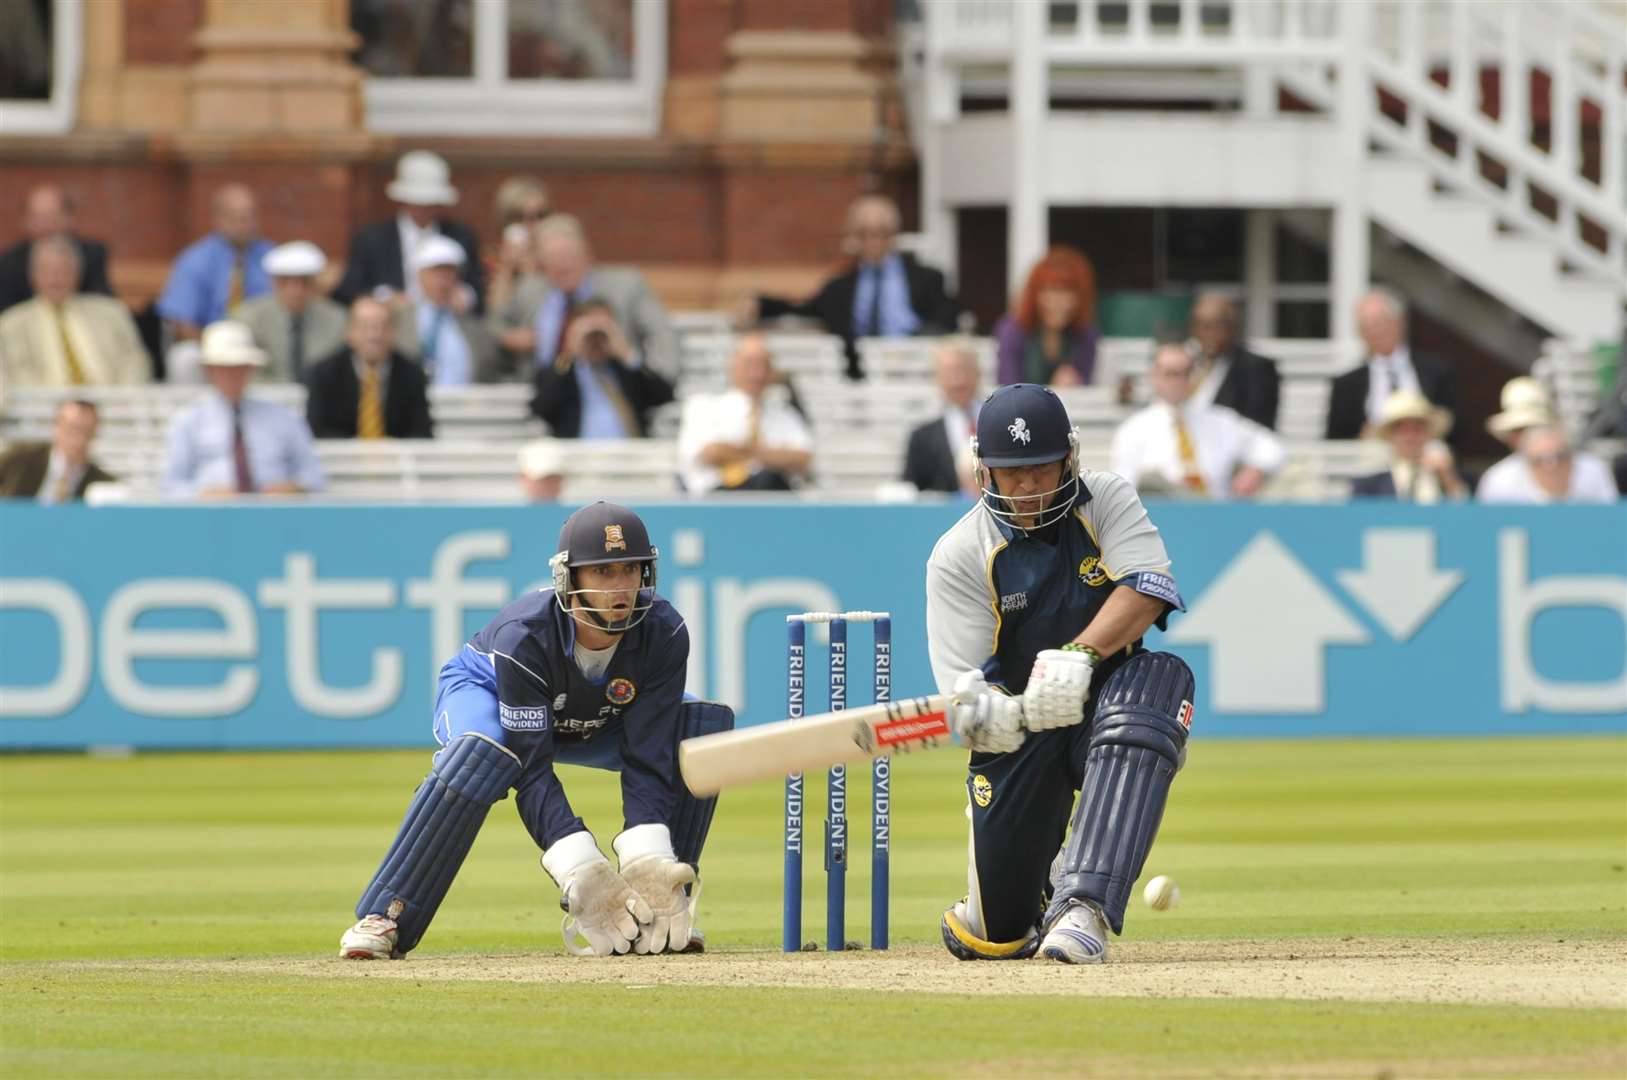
(500, 67)
(39, 65)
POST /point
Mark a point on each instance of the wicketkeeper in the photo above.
(1036, 603)
(589, 672)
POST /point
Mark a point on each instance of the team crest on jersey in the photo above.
(1019, 431)
(613, 540)
(620, 691)
(982, 790)
(1091, 572)
(559, 703)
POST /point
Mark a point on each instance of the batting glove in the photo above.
(1057, 688)
(656, 875)
(985, 720)
(599, 903)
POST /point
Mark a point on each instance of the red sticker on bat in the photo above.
(912, 729)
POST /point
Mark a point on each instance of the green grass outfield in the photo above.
(1349, 908)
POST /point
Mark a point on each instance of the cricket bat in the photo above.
(710, 763)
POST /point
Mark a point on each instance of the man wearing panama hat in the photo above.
(381, 254)
(228, 444)
(1421, 467)
(1544, 467)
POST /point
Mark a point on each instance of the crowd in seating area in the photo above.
(421, 369)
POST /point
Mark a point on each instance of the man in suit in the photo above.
(367, 390)
(1359, 395)
(57, 471)
(220, 271)
(532, 324)
(65, 338)
(594, 390)
(1421, 468)
(454, 347)
(380, 263)
(49, 212)
(939, 457)
(885, 293)
(1229, 374)
(294, 324)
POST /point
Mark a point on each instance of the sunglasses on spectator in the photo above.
(1551, 459)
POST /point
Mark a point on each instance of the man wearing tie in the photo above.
(939, 456)
(368, 390)
(58, 471)
(1358, 396)
(885, 293)
(744, 439)
(220, 271)
(228, 444)
(67, 338)
(596, 388)
(294, 324)
(454, 347)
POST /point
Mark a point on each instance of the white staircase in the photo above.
(1487, 170)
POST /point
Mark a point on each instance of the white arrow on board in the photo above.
(1398, 583)
(1267, 621)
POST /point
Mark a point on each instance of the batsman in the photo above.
(1037, 600)
(588, 672)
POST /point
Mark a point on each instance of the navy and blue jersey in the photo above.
(519, 681)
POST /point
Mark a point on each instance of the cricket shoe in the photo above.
(373, 938)
(1078, 935)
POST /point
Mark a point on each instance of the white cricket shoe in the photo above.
(1078, 936)
(373, 938)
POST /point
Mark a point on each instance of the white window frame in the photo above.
(56, 114)
(488, 103)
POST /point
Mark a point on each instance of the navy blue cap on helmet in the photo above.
(1023, 424)
(605, 533)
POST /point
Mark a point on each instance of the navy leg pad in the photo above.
(692, 817)
(1136, 744)
(469, 775)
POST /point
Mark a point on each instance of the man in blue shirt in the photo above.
(1042, 591)
(588, 672)
(220, 271)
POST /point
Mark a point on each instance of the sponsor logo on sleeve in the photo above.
(620, 691)
(523, 717)
(1161, 586)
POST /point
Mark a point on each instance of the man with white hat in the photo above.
(542, 470)
(1421, 467)
(381, 254)
(1527, 475)
(227, 444)
(294, 324)
(453, 345)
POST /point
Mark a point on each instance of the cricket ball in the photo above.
(1161, 893)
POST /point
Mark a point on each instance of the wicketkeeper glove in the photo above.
(654, 872)
(1058, 687)
(600, 904)
(984, 719)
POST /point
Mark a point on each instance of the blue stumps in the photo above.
(881, 772)
(791, 916)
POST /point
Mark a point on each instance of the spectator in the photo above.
(1545, 469)
(1051, 338)
(66, 338)
(220, 271)
(367, 390)
(516, 268)
(542, 470)
(381, 254)
(883, 293)
(454, 347)
(230, 444)
(743, 439)
(1523, 403)
(939, 454)
(57, 471)
(533, 323)
(1359, 394)
(1421, 467)
(48, 212)
(521, 200)
(295, 325)
(1202, 451)
(1229, 374)
(596, 389)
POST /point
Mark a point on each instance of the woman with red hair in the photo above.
(1051, 337)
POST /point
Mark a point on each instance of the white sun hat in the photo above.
(422, 179)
